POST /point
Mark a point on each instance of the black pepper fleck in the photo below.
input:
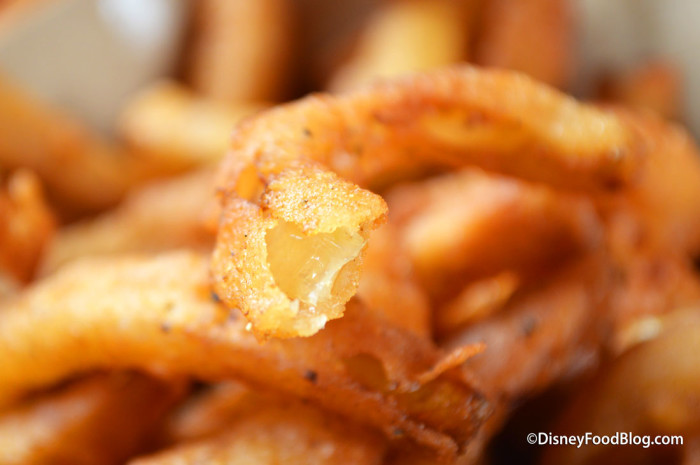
(311, 376)
(529, 326)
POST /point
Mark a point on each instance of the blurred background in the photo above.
(91, 56)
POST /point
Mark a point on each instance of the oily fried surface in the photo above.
(81, 172)
(233, 424)
(659, 209)
(540, 337)
(308, 202)
(161, 318)
(405, 37)
(450, 117)
(650, 390)
(161, 215)
(388, 286)
(532, 36)
(26, 226)
(647, 287)
(288, 164)
(99, 420)
(242, 50)
(460, 227)
(169, 124)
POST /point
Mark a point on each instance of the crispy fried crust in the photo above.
(460, 226)
(255, 428)
(171, 125)
(162, 215)
(26, 227)
(532, 36)
(652, 389)
(547, 333)
(279, 168)
(81, 171)
(160, 317)
(99, 420)
(406, 37)
(242, 50)
(663, 200)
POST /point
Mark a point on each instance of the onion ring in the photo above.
(283, 192)
(161, 318)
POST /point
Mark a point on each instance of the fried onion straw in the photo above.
(80, 171)
(459, 226)
(162, 215)
(535, 37)
(542, 336)
(26, 226)
(292, 230)
(406, 37)
(653, 389)
(161, 318)
(242, 50)
(100, 420)
(170, 125)
(267, 430)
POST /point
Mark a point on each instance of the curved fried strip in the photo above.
(542, 336)
(100, 420)
(241, 50)
(160, 317)
(471, 225)
(160, 216)
(655, 85)
(532, 36)
(646, 288)
(405, 37)
(539, 337)
(209, 412)
(652, 389)
(499, 120)
(388, 286)
(476, 301)
(277, 173)
(26, 226)
(170, 125)
(291, 263)
(81, 171)
(279, 433)
(660, 209)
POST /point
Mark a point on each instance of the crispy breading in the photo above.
(159, 216)
(405, 37)
(470, 225)
(232, 420)
(100, 420)
(81, 171)
(653, 389)
(170, 125)
(242, 50)
(27, 225)
(286, 168)
(532, 36)
(160, 317)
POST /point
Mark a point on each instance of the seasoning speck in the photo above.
(311, 376)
